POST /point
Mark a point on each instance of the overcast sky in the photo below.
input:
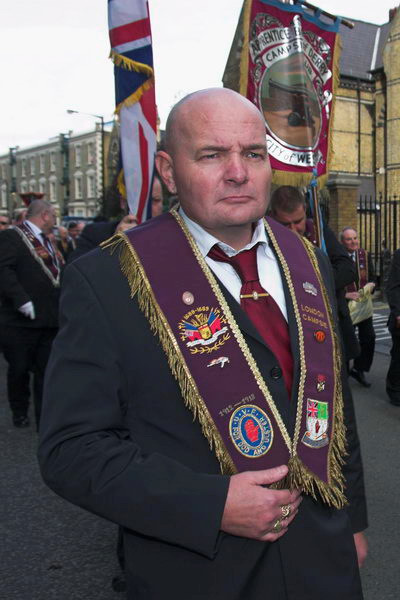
(54, 56)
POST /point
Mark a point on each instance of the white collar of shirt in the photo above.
(268, 268)
(35, 230)
(206, 241)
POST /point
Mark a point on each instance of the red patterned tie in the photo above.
(261, 307)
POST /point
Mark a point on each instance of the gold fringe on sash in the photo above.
(141, 289)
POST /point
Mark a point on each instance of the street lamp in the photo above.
(78, 112)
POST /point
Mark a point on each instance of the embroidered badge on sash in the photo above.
(321, 380)
(221, 361)
(319, 336)
(310, 288)
(317, 424)
(251, 431)
(204, 330)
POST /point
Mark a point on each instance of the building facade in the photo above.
(69, 170)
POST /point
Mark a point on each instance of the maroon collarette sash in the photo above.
(50, 265)
(362, 271)
(219, 379)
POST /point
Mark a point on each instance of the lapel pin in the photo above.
(222, 361)
(188, 298)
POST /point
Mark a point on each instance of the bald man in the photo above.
(194, 395)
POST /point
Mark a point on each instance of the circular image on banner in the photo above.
(251, 431)
(290, 103)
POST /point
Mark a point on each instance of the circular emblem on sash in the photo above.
(319, 336)
(251, 431)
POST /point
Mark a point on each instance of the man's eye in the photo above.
(255, 155)
(210, 156)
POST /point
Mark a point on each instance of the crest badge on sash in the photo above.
(251, 431)
(204, 329)
(317, 424)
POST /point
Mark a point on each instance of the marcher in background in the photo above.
(288, 207)
(75, 229)
(64, 242)
(364, 275)
(182, 356)
(4, 222)
(95, 233)
(29, 294)
(393, 296)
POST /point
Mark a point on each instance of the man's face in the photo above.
(156, 198)
(220, 165)
(4, 223)
(350, 240)
(73, 232)
(296, 220)
(49, 219)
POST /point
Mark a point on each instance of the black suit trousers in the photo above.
(393, 375)
(27, 350)
(366, 337)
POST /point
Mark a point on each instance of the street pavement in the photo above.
(51, 550)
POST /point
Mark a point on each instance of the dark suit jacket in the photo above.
(92, 235)
(117, 439)
(344, 273)
(393, 293)
(22, 279)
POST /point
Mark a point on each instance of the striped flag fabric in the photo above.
(131, 52)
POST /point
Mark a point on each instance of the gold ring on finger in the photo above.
(277, 526)
(286, 510)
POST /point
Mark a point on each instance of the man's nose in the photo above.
(236, 169)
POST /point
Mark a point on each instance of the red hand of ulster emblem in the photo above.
(252, 430)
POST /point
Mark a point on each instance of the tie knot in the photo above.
(244, 263)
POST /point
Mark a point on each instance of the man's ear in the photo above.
(165, 167)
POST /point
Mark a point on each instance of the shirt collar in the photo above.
(34, 228)
(205, 241)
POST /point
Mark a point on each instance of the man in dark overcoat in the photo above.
(29, 294)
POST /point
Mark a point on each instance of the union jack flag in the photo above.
(131, 52)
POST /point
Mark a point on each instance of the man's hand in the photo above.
(28, 310)
(361, 546)
(252, 509)
(352, 296)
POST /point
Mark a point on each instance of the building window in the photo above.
(23, 187)
(52, 161)
(4, 170)
(23, 167)
(42, 186)
(78, 156)
(91, 186)
(32, 163)
(41, 163)
(53, 191)
(90, 153)
(3, 196)
(78, 187)
(32, 186)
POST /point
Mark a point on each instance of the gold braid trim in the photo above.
(140, 288)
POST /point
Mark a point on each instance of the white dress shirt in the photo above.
(268, 269)
(35, 230)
